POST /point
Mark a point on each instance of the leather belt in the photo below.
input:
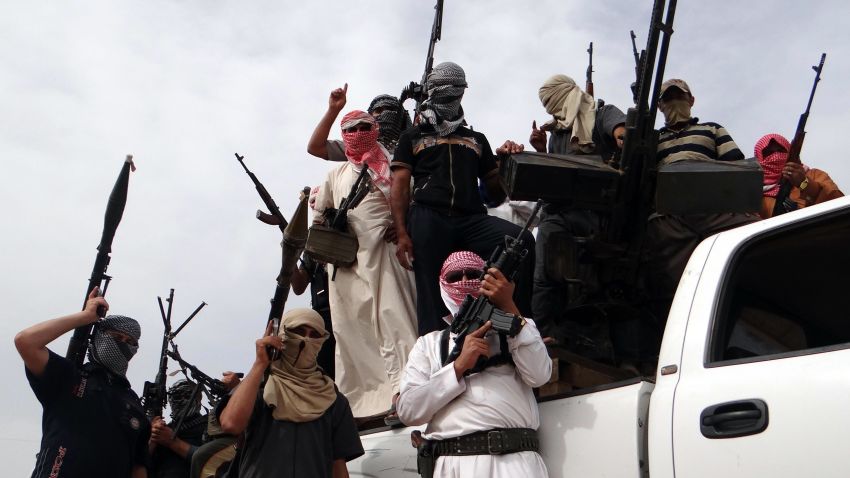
(492, 442)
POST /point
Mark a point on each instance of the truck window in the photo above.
(788, 293)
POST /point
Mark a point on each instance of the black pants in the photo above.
(436, 235)
(325, 359)
(551, 293)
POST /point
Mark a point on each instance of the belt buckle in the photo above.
(495, 442)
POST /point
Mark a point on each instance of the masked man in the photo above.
(446, 160)
(171, 453)
(576, 127)
(373, 302)
(93, 424)
(672, 238)
(298, 424)
(387, 111)
(809, 186)
(463, 409)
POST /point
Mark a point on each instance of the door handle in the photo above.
(734, 419)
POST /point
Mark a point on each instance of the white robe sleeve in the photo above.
(422, 394)
(530, 356)
(325, 198)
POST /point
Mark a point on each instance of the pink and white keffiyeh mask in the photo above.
(360, 134)
(773, 163)
(460, 276)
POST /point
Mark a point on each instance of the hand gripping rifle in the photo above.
(475, 312)
(419, 92)
(783, 204)
(114, 211)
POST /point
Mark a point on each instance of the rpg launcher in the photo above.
(588, 85)
(114, 211)
(783, 203)
(475, 312)
(419, 91)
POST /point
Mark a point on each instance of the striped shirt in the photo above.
(699, 141)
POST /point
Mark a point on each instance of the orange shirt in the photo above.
(821, 188)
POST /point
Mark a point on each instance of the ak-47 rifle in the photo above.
(338, 218)
(475, 312)
(114, 211)
(276, 217)
(419, 91)
(634, 198)
(588, 84)
(637, 65)
(783, 203)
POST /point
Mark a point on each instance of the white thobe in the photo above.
(498, 397)
(373, 302)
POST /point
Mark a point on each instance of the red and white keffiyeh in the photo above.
(453, 293)
(363, 147)
(773, 163)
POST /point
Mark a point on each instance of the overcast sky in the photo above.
(183, 85)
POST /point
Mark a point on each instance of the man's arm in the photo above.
(318, 141)
(422, 394)
(237, 413)
(527, 349)
(340, 470)
(300, 278)
(161, 435)
(399, 203)
(727, 150)
(32, 341)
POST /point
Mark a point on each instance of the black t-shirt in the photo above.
(93, 424)
(166, 463)
(446, 169)
(287, 449)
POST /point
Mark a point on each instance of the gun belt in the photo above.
(491, 442)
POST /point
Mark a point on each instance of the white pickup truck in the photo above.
(753, 373)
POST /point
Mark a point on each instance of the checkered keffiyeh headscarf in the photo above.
(392, 120)
(453, 293)
(773, 163)
(442, 110)
(363, 147)
(106, 351)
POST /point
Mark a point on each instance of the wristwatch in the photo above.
(804, 184)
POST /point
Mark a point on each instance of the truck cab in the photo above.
(753, 373)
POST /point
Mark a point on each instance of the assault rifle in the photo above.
(214, 386)
(114, 211)
(475, 312)
(154, 393)
(276, 217)
(338, 218)
(783, 203)
(637, 65)
(588, 85)
(419, 91)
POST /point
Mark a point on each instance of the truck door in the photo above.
(764, 384)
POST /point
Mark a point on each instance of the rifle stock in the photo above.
(588, 87)
(114, 212)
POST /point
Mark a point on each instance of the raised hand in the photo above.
(537, 138)
(338, 98)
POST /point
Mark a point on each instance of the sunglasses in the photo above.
(469, 274)
(358, 127)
